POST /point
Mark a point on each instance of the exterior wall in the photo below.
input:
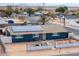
(25, 38)
(52, 36)
(31, 37)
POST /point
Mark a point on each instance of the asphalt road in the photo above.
(73, 54)
(75, 31)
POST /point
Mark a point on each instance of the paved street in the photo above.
(75, 31)
(73, 54)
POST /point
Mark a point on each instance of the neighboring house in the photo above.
(71, 12)
(25, 13)
(67, 16)
(34, 19)
(71, 17)
(29, 33)
(3, 14)
(38, 14)
(10, 21)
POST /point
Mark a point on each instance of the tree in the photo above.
(49, 14)
(66, 8)
(43, 19)
(62, 10)
(53, 16)
(77, 14)
(21, 10)
(25, 10)
(2, 10)
(16, 11)
(9, 10)
(39, 9)
(30, 11)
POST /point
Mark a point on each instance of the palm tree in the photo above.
(43, 19)
(65, 14)
(62, 10)
(30, 11)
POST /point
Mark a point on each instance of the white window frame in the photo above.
(18, 37)
(35, 35)
(55, 34)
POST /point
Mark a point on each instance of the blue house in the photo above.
(28, 33)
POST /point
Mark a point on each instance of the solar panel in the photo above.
(26, 28)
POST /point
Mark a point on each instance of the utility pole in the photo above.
(43, 4)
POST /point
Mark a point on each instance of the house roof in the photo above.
(36, 29)
(34, 19)
(5, 21)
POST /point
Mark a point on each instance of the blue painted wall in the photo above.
(30, 37)
(25, 38)
(51, 36)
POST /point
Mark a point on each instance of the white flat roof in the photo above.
(25, 28)
(36, 29)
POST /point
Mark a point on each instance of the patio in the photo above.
(21, 49)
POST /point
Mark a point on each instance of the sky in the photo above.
(41, 4)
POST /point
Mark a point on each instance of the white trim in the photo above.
(44, 36)
(18, 37)
(35, 35)
(55, 34)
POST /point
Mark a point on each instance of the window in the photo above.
(18, 37)
(55, 34)
(35, 35)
